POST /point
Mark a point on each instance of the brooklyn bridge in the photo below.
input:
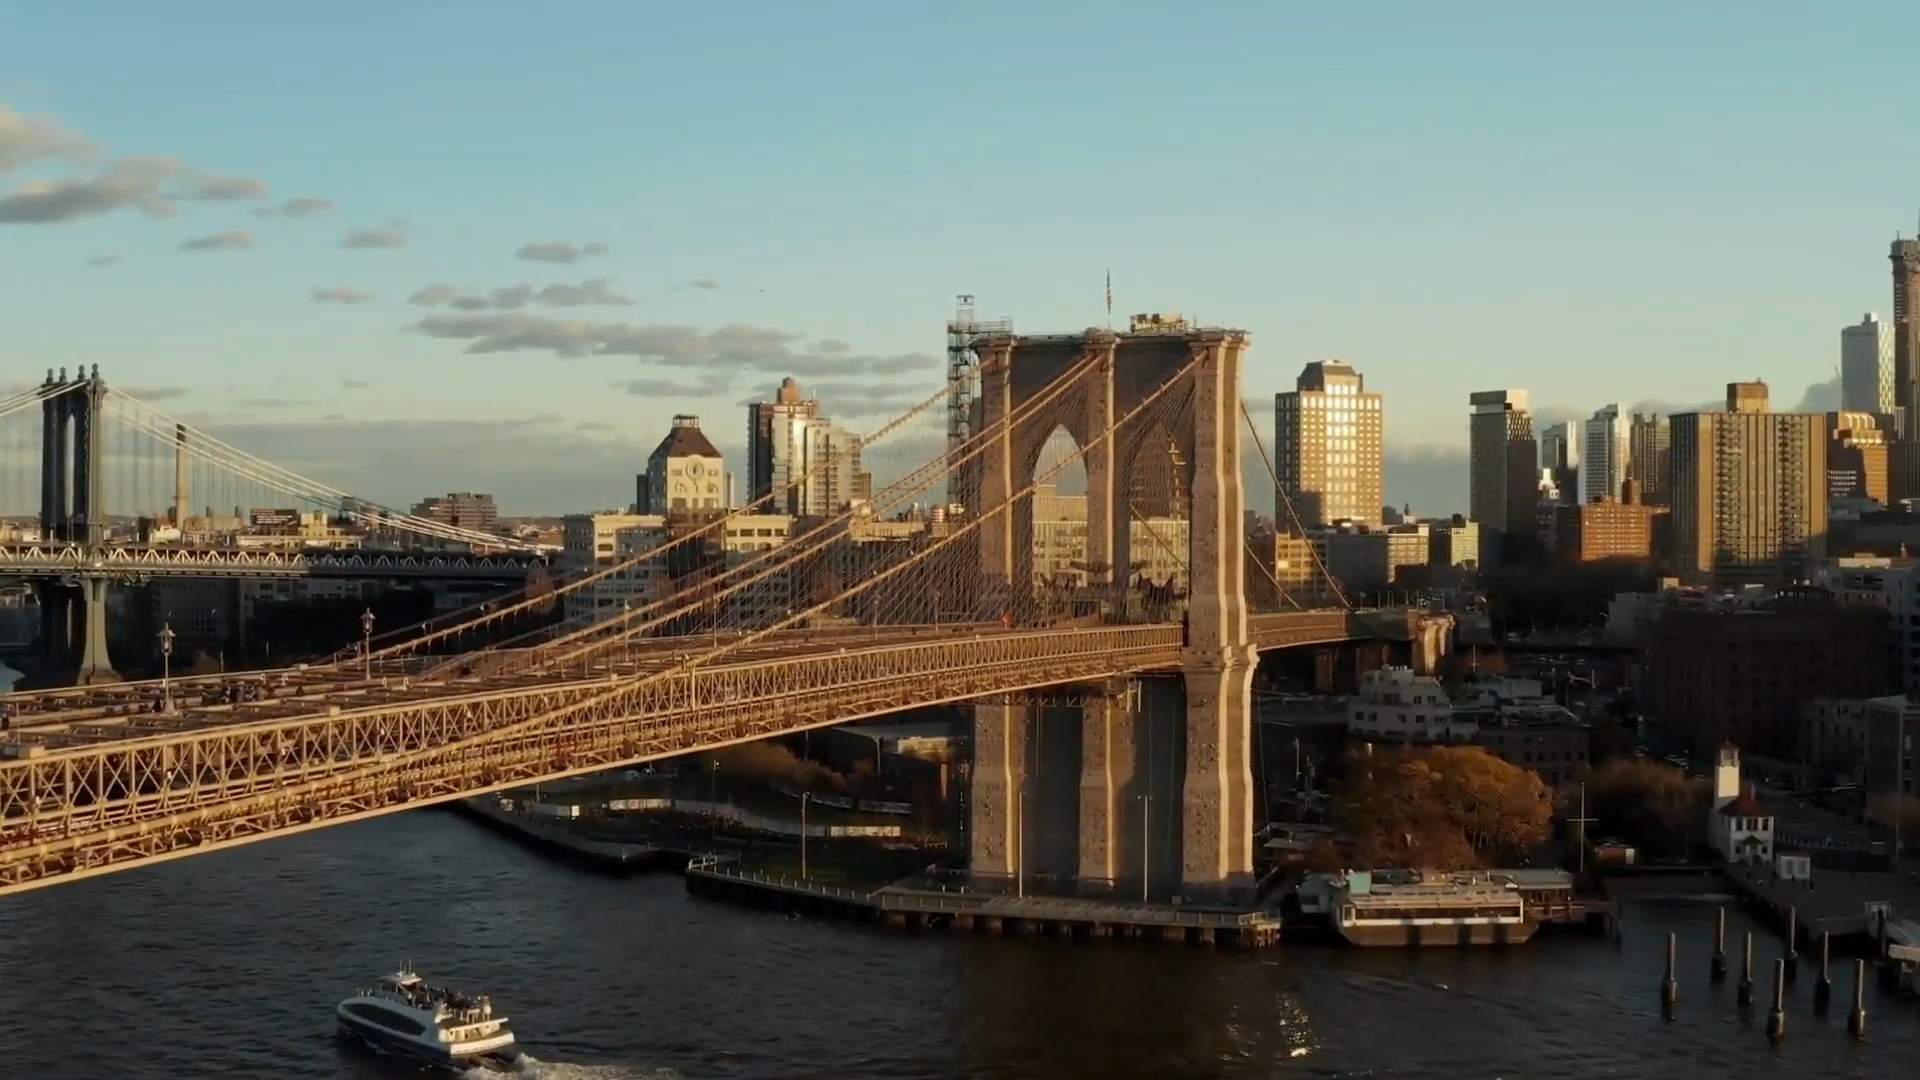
(108, 775)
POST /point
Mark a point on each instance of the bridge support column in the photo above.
(997, 780)
(1107, 731)
(95, 665)
(1000, 561)
(1217, 792)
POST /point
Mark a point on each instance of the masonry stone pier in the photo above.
(1090, 771)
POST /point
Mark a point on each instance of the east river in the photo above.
(229, 965)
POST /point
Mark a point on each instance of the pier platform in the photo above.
(560, 837)
(1839, 902)
(913, 907)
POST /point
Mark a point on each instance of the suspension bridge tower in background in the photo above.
(73, 609)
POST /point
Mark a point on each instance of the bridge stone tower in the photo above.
(1123, 741)
(73, 612)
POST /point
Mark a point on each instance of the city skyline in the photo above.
(347, 286)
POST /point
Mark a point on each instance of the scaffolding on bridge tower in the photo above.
(963, 384)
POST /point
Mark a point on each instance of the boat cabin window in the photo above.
(392, 1021)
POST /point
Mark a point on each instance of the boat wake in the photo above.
(529, 1067)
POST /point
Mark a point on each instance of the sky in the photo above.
(494, 246)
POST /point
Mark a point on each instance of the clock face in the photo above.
(694, 469)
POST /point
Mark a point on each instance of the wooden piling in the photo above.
(1670, 983)
(1857, 1019)
(1719, 970)
(1745, 994)
(1823, 990)
(1777, 1016)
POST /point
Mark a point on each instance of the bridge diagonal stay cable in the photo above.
(203, 446)
(820, 540)
(491, 612)
(1293, 515)
(627, 690)
(222, 460)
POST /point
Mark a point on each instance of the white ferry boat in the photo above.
(404, 1016)
(1429, 908)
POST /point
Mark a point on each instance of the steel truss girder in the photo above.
(89, 810)
(58, 560)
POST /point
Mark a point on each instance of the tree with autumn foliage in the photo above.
(1440, 808)
(1650, 803)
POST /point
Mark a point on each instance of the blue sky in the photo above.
(1629, 203)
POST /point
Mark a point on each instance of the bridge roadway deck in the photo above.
(77, 802)
(51, 710)
(157, 560)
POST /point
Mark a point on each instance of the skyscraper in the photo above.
(1866, 367)
(1905, 257)
(1649, 460)
(809, 466)
(1503, 484)
(1606, 453)
(777, 441)
(1560, 458)
(1328, 446)
(1749, 491)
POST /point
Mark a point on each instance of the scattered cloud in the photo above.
(735, 349)
(435, 296)
(596, 292)
(831, 347)
(272, 403)
(850, 398)
(223, 188)
(103, 260)
(704, 283)
(155, 393)
(558, 251)
(532, 464)
(594, 425)
(341, 294)
(354, 384)
(26, 139)
(151, 185)
(305, 206)
(231, 240)
(138, 183)
(713, 382)
(394, 235)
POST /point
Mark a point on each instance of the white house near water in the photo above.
(1741, 825)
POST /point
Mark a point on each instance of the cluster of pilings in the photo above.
(1785, 969)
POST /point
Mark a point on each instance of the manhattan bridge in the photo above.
(1158, 682)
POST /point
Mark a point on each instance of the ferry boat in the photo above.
(1413, 907)
(404, 1016)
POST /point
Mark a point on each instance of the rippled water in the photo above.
(228, 965)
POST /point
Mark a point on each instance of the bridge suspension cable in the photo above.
(445, 628)
(143, 417)
(1284, 501)
(630, 688)
(805, 564)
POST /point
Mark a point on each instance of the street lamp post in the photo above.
(166, 666)
(804, 795)
(366, 645)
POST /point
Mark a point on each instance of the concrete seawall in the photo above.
(559, 838)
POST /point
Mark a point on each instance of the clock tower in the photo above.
(684, 474)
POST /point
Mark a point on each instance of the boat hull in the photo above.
(397, 1045)
(1438, 935)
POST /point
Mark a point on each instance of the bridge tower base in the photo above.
(96, 666)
